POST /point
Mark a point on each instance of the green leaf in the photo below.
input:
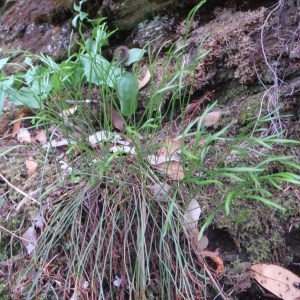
(134, 54)
(3, 62)
(228, 201)
(99, 71)
(265, 201)
(81, 15)
(4, 86)
(127, 89)
(25, 96)
(95, 68)
(69, 74)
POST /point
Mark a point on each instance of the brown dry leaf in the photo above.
(41, 137)
(168, 160)
(145, 80)
(157, 160)
(279, 281)
(114, 117)
(31, 166)
(23, 136)
(198, 245)
(160, 191)
(172, 168)
(17, 125)
(116, 120)
(170, 152)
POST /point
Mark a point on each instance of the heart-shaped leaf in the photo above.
(133, 55)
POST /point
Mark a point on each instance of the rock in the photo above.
(125, 15)
(37, 26)
(211, 118)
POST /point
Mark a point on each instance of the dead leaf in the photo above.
(117, 282)
(203, 242)
(39, 221)
(64, 166)
(165, 154)
(31, 166)
(117, 120)
(171, 150)
(211, 118)
(191, 215)
(145, 80)
(279, 281)
(41, 137)
(29, 239)
(55, 143)
(160, 191)
(67, 112)
(23, 136)
(168, 160)
(100, 136)
(17, 124)
(123, 149)
(156, 160)
(172, 168)
(121, 141)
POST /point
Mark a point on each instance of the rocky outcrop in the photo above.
(244, 42)
(37, 26)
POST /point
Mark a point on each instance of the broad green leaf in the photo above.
(113, 74)
(25, 96)
(127, 89)
(134, 54)
(91, 47)
(4, 86)
(99, 70)
(70, 74)
(3, 62)
(41, 86)
(96, 68)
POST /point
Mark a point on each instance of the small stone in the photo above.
(211, 118)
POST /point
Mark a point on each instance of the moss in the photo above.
(63, 3)
(4, 291)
